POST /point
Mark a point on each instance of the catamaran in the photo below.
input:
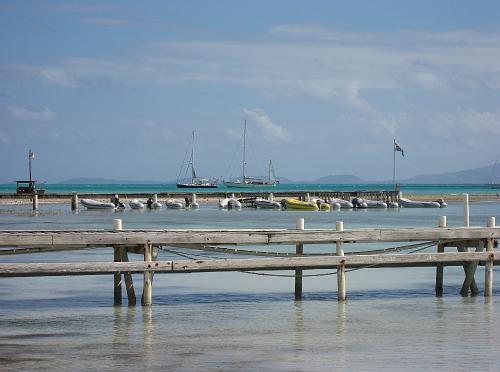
(195, 182)
(247, 181)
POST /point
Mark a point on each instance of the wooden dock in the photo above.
(147, 243)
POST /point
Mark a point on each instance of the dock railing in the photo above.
(148, 242)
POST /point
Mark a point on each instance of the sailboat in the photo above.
(195, 182)
(247, 181)
(493, 184)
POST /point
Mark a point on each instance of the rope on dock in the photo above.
(246, 252)
(416, 248)
(332, 272)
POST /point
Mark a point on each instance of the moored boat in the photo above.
(266, 204)
(96, 204)
(174, 204)
(407, 203)
(136, 204)
(296, 204)
(229, 203)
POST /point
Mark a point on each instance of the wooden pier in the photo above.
(147, 243)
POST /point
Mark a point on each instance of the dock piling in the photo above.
(439, 267)
(466, 210)
(117, 276)
(35, 202)
(341, 291)
(147, 290)
(74, 201)
(299, 250)
(488, 267)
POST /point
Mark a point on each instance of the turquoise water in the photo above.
(238, 321)
(161, 188)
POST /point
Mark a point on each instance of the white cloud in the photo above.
(59, 76)
(23, 113)
(269, 131)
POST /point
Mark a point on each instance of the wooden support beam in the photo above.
(117, 278)
(147, 290)
(488, 267)
(439, 267)
(341, 291)
(281, 263)
(129, 283)
(470, 270)
(299, 250)
(74, 202)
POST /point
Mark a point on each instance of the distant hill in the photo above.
(340, 179)
(483, 175)
(105, 181)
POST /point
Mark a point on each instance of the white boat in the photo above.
(95, 204)
(267, 204)
(407, 203)
(229, 203)
(156, 205)
(343, 203)
(174, 204)
(251, 182)
(374, 203)
(136, 204)
(392, 205)
(195, 182)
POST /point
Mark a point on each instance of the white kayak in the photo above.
(156, 205)
(174, 204)
(407, 203)
(95, 204)
(267, 204)
(374, 203)
(136, 204)
(229, 203)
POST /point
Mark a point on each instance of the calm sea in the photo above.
(160, 188)
(237, 321)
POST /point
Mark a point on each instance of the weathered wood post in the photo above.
(74, 201)
(488, 267)
(155, 198)
(439, 267)
(193, 198)
(271, 196)
(117, 226)
(299, 250)
(147, 290)
(35, 202)
(341, 292)
(466, 210)
(308, 197)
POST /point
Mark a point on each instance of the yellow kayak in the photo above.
(301, 205)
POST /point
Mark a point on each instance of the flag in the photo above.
(398, 148)
(31, 155)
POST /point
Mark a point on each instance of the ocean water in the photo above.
(238, 321)
(163, 188)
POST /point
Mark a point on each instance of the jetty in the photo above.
(455, 246)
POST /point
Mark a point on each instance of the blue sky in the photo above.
(114, 89)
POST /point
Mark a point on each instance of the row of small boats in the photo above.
(138, 204)
(315, 204)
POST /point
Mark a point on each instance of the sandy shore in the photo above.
(212, 200)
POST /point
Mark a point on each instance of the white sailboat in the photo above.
(250, 182)
(195, 182)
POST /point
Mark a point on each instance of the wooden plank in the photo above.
(282, 263)
(470, 270)
(236, 237)
(129, 283)
(117, 278)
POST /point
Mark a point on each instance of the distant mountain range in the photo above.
(481, 175)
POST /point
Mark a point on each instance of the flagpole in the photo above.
(394, 165)
(29, 159)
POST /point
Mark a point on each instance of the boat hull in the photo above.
(295, 204)
(196, 186)
(95, 204)
(248, 185)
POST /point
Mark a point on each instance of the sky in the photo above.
(114, 89)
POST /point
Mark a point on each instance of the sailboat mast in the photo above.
(244, 148)
(193, 173)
